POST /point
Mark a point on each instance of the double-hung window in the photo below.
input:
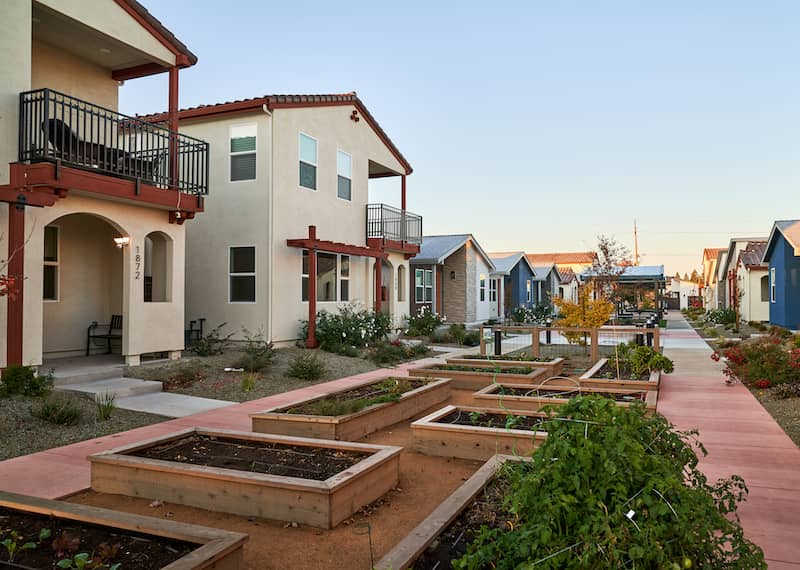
(242, 274)
(483, 288)
(423, 285)
(243, 152)
(308, 162)
(528, 290)
(344, 175)
(493, 291)
(772, 295)
(344, 278)
(50, 276)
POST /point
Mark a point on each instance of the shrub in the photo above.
(419, 349)
(249, 380)
(783, 391)
(423, 323)
(61, 410)
(25, 381)
(472, 338)
(441, 337)
(350, 326)
(258, 349)
(763, 358)
(106, 404)
(457, 332)
(341, 348)
(212, 343)
(639, 360)
(780, 332)
(721, 316)
(614, 489)
(711, 332)
(307, 366)
(388, 353)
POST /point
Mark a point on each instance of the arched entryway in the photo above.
(388, 296)
(82, 282)
(157, 267)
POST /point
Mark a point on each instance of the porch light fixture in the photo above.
(122, 241)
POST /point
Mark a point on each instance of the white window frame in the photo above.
(315, 164)
(528, 289)
(231, 153)
(424, 287)
(772, 285)
(340, 257)
(303, 275)
(482, 287)
(56, 264)
(246, 274)
(338, 174)
(339, 278)
(493, 290)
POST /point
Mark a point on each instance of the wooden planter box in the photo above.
(216, 549)
(469, 380)
(490, 396)
(406, 552)
(472, 442)
(552, 367)
(351, 427)
(322, 504)
(589, 379)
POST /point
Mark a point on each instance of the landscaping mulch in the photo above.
(21, 433)
(205, 376)
(492, 420)
(111, 545)
(316, 463)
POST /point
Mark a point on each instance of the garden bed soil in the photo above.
(476, 377)
(445, 534)
(205, 377)
(21, 433)
(554, 366)
(317, 463)
(130, 540)
(478, 433)
(323, 503)
(598, 377)
(424, 483)
(533, 398)
(300, 419)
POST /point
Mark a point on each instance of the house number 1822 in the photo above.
(138, 260)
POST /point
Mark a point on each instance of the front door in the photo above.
(493, 307)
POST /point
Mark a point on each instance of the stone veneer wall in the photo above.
(455, 291)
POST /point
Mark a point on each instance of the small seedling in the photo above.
(13, 546)
(249, 380)
(106, 404)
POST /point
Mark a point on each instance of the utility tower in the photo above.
(635, 244)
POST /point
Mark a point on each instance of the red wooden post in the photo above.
(15, 269)
(378, 277)
(173, 126)
(311, 340)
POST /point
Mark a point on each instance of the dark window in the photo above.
(242, 274)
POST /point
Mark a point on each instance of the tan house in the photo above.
(710, 258)
(453, 276)
(95, 200)
(289, 230)
(744, 277)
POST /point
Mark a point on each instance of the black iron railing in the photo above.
(392, 223)
(58, 127)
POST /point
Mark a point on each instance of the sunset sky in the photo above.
(537, 125)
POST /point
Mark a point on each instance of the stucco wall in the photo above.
(753, 308)
(455, 296)
(147, 327)
(59, 70)
(15, 77)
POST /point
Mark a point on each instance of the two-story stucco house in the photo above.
(94, 201)
(288, 230)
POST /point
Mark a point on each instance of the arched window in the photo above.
(401, 283)
(765, 288)
(157, 268)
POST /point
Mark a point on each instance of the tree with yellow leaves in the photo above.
(587, 312)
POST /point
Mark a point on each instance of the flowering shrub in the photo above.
(350, 327)
(763, 384)
(760, 360)
(538, 313)
(721, 316)
(423, 323)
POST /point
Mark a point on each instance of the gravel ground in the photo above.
(21, 433)
(786, 413)
(205, 377)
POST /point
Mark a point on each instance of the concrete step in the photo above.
(120, 387)
(170, 405)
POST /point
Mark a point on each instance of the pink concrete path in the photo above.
(63, 471)
(741, 439)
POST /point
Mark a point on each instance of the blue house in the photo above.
(782, 255)
(518, 280)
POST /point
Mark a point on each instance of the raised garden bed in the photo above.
(533, 398)
(474, 377)
(553, 365)
(445, 534)
(603, 374)
(477, 433)
(308, 481)
(133, 541)
(352, 413)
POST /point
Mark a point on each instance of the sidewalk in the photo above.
(741, 439)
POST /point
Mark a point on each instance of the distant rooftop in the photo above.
(562, 257)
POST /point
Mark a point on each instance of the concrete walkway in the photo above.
(741, 439)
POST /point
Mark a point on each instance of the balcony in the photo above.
(54, 127)
(392, 224)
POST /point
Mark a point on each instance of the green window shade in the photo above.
(243, 144)
(243, 167)
(343, 190)
(308, 176)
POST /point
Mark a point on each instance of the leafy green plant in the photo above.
(472, 338)
(342, 349)
(258, 353)
(249, 380)
(106, 404)
(423, 323)
(389, 390)
(212, 343)
(25, 381)
(86, 561)
(612, 487)
(352, 325)
(59, 410)
(13, 545)
(721, 316)
(307, 366)
(457, 332)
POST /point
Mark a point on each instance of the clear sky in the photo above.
(537, 125)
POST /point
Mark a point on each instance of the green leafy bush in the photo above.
(212, 343)
(24, 380)
(351, 326)
(639, 360)
(441, 337)
(59, 410)
(423, 323)
(721, 316)
(612, 487)
(472, 338)
(457, 332)
(307, 366)
(396, 351)
(343, 349)
(258, 352)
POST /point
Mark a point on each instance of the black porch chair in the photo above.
(105, 332)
